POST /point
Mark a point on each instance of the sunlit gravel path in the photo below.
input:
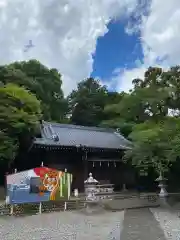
(140, 224)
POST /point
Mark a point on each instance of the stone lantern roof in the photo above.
(91, 180)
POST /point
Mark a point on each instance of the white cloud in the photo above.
(160, 39)
(64, 32)
(127, 77)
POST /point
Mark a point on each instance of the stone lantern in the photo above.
(163, 195)
(162, 186)
(92, 202)
(91, 188)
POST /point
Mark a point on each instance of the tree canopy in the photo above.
(153, 131)
(45, 83)
(20, 113)
(156, 145)
(87, 103)
(148, 114)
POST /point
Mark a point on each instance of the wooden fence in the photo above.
(120, 200)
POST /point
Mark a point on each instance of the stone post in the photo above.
(124, 189)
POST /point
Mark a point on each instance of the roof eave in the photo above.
(44, 143)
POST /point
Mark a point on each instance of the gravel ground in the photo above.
(169, 222)
(138, 224)
(63, 226)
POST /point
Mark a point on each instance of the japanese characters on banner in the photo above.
(38, 185)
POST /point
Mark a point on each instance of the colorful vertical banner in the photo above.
(37, 185)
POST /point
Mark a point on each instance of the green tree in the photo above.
(143, 115)
(155, 144)
(45, 83)
(8, 147)
(147, 100)
(20, 113)
(116, 117)
(154, 133)
(87, 103)
(171, 81)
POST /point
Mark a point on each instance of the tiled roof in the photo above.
(54, 134)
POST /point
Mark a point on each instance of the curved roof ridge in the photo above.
(75, 135)
(88, 128)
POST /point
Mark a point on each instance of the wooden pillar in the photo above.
(84, 167)
(85, 161)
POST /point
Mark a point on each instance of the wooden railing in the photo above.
(38, 208)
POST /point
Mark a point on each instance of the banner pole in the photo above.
(68, 185)
(61, 186)
(12, 205)
(40, 208)
(65, 206)
(7, 197)
(11, 209)
(40, 203)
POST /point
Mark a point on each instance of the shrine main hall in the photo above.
(81, 150)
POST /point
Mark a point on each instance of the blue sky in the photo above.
(66, 33)
(116, 49)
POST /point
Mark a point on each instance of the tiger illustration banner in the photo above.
(38, 185)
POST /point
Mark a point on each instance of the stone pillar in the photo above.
(85, 160)
(124, 189)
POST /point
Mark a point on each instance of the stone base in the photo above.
(164, 202)
(92, 208)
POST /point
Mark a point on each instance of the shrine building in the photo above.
(81, 150)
